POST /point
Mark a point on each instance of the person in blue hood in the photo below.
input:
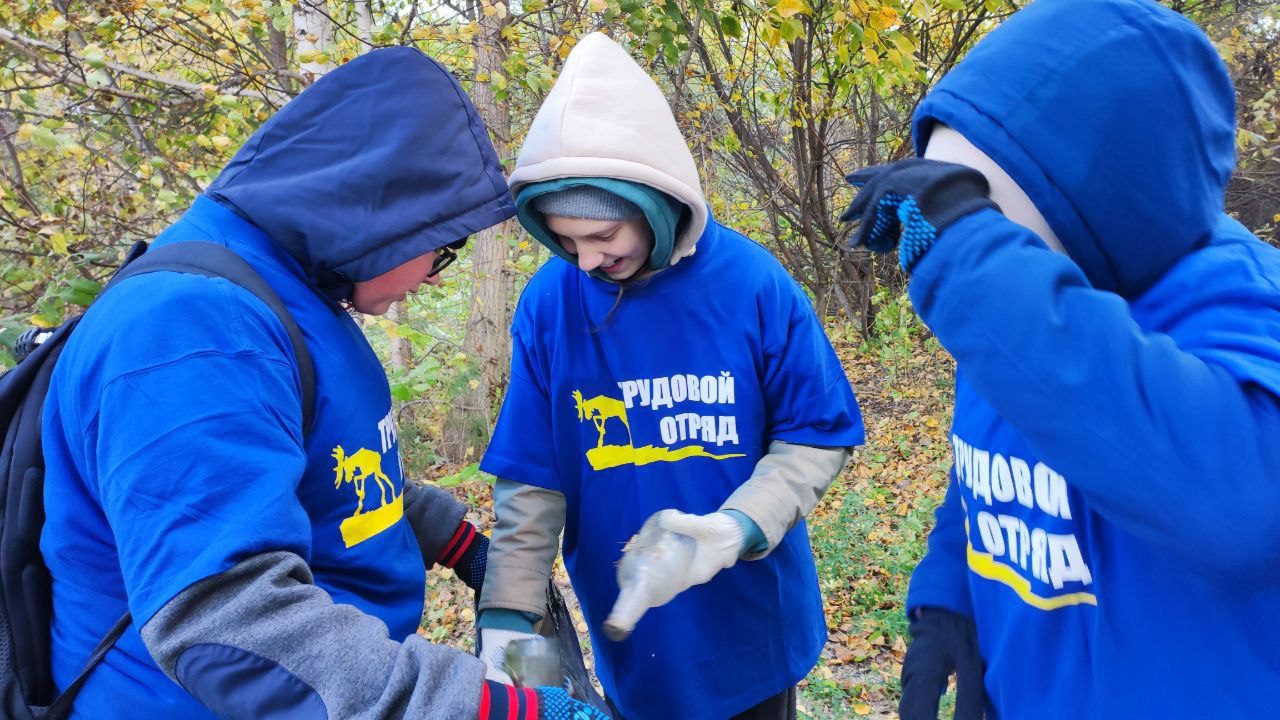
(1109, 544)
(272, 573)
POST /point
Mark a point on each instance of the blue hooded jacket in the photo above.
(1113, 520)
(172, 429)
(371, 167)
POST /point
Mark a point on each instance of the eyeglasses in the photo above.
(444, 258)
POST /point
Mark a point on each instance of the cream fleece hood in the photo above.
(605, 117)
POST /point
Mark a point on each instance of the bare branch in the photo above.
(12, 39)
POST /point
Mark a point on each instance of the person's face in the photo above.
(374, 296)
(618, 248)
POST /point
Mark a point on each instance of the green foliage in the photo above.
(469, 473)
(1250, 45)
(113, 115)
(438, 371)
(897, 329)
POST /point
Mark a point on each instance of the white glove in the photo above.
(672, 552)
(493, 651)
(718, 545)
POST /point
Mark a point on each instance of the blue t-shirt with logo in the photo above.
(1121, 531)
(667, 398)
(152, 487)
(1113, 520)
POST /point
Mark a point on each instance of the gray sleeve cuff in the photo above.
(523, 546)
(261, 641)
(433, 515)
(786, 484)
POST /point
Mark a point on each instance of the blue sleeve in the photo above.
(941, 580)
(198, 448)
(1163, 442)
(521, 448)
(807, 394)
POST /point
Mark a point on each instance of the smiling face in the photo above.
(618, 248)
(374, 296)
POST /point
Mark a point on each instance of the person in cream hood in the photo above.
(661, 363)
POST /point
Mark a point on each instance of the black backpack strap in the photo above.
(135, 251)
(211, 260)
(61, 706)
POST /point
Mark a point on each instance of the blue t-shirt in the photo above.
(174, 447)
(1111, 522)
(668, 397)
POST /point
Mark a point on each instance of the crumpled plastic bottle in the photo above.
(533, 662)
(652, 560)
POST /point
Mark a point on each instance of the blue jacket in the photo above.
(173, 426)
(1113, 520)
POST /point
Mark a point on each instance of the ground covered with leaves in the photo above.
(867, 534)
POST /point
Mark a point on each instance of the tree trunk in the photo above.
(278, 56)
(313, 34)
(467, 426)
(401, 350)
(364, 22)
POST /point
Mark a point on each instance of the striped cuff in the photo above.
(505, 702)
(467, 552)
(458, 545)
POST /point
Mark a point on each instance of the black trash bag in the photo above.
(558, 627)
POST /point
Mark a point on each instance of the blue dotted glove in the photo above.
(907, 204)
(504, 702)
(557, 705)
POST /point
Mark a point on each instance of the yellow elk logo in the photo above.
(356, 468)
(599, 409)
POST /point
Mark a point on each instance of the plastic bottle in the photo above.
(653, 559)
(533, 662)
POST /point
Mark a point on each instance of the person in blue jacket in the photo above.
(271, 574)
(1109, 544)
(663, 366)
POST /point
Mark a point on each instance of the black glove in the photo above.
(915, 199)
(467, 552)
(504, 702)
(942, 642)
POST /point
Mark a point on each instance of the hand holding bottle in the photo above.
(672, 552)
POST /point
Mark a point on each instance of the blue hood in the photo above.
(380, 161)
(1071, 97)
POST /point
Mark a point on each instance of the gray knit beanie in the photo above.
(587, 201)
